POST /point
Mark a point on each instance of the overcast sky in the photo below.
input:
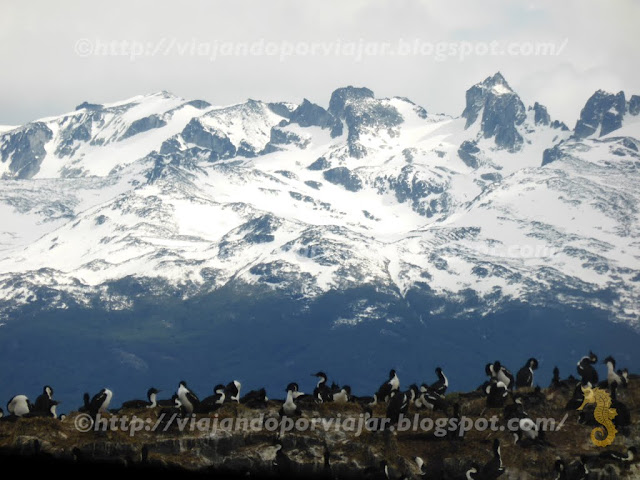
(55, 55)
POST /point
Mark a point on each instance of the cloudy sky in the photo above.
(55, 55)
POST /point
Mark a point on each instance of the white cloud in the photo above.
(42, 75)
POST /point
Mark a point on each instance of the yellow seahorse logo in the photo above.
(603, 414)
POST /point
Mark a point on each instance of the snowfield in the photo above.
(309, 200)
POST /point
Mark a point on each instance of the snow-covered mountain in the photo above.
(158, 199)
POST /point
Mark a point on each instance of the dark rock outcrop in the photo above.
(89, 106)
(467, 153)
(502, 111)
(541, 116)
(551, 155)
(634, 105)
(199, 104)
(217, 142)
(320, 164)
(25, 147)
(143, 125)
(603, 110)
(309, 114)
(342, 96)
(345, 177)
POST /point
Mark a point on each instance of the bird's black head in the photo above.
(183, 384)
(438, 371)
(319, 374)
(473, 470)
(47, 390)
(392, 374)
(533, 363)
(609, 359)
(218, 388)
(593, 357)
(232, 388)
(151, 391)
(487, 369)
(556, 373)
(292, 387)
(559, 465)
(497, 366)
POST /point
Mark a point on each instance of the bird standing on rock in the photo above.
(587, 372)
(188, 399)
(524, 378)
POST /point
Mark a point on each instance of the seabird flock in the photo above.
(496, 391)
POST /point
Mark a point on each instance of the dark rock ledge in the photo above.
(317, 454)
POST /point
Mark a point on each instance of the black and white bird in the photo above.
(393, 384)
(575, 471)
(281, 462)
(100, 402)
(497, 394)
(623, 417)
(169, 402)
(422, 466)
(560, 469)
(213, 402)
(431, 400)
(441, 385)
(612, 375)
(151, 402)
(587, 371)
(621, 458)
(610, 458)
(341, 394)
(501, 374)
(289, 407)
(255, 399)
(232, 391)
(365, 401)
(398, 405)
(473, 473)
(528, 433)
(322, 392)
(576, 399)
(524, 378)
(51, 412)
(493, 468)
(188, 399)
(43, 402)
(19, 406)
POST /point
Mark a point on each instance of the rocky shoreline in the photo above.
(230, 450)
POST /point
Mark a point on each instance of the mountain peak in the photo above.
(341, 96)
(502, 110)
(603, 112)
